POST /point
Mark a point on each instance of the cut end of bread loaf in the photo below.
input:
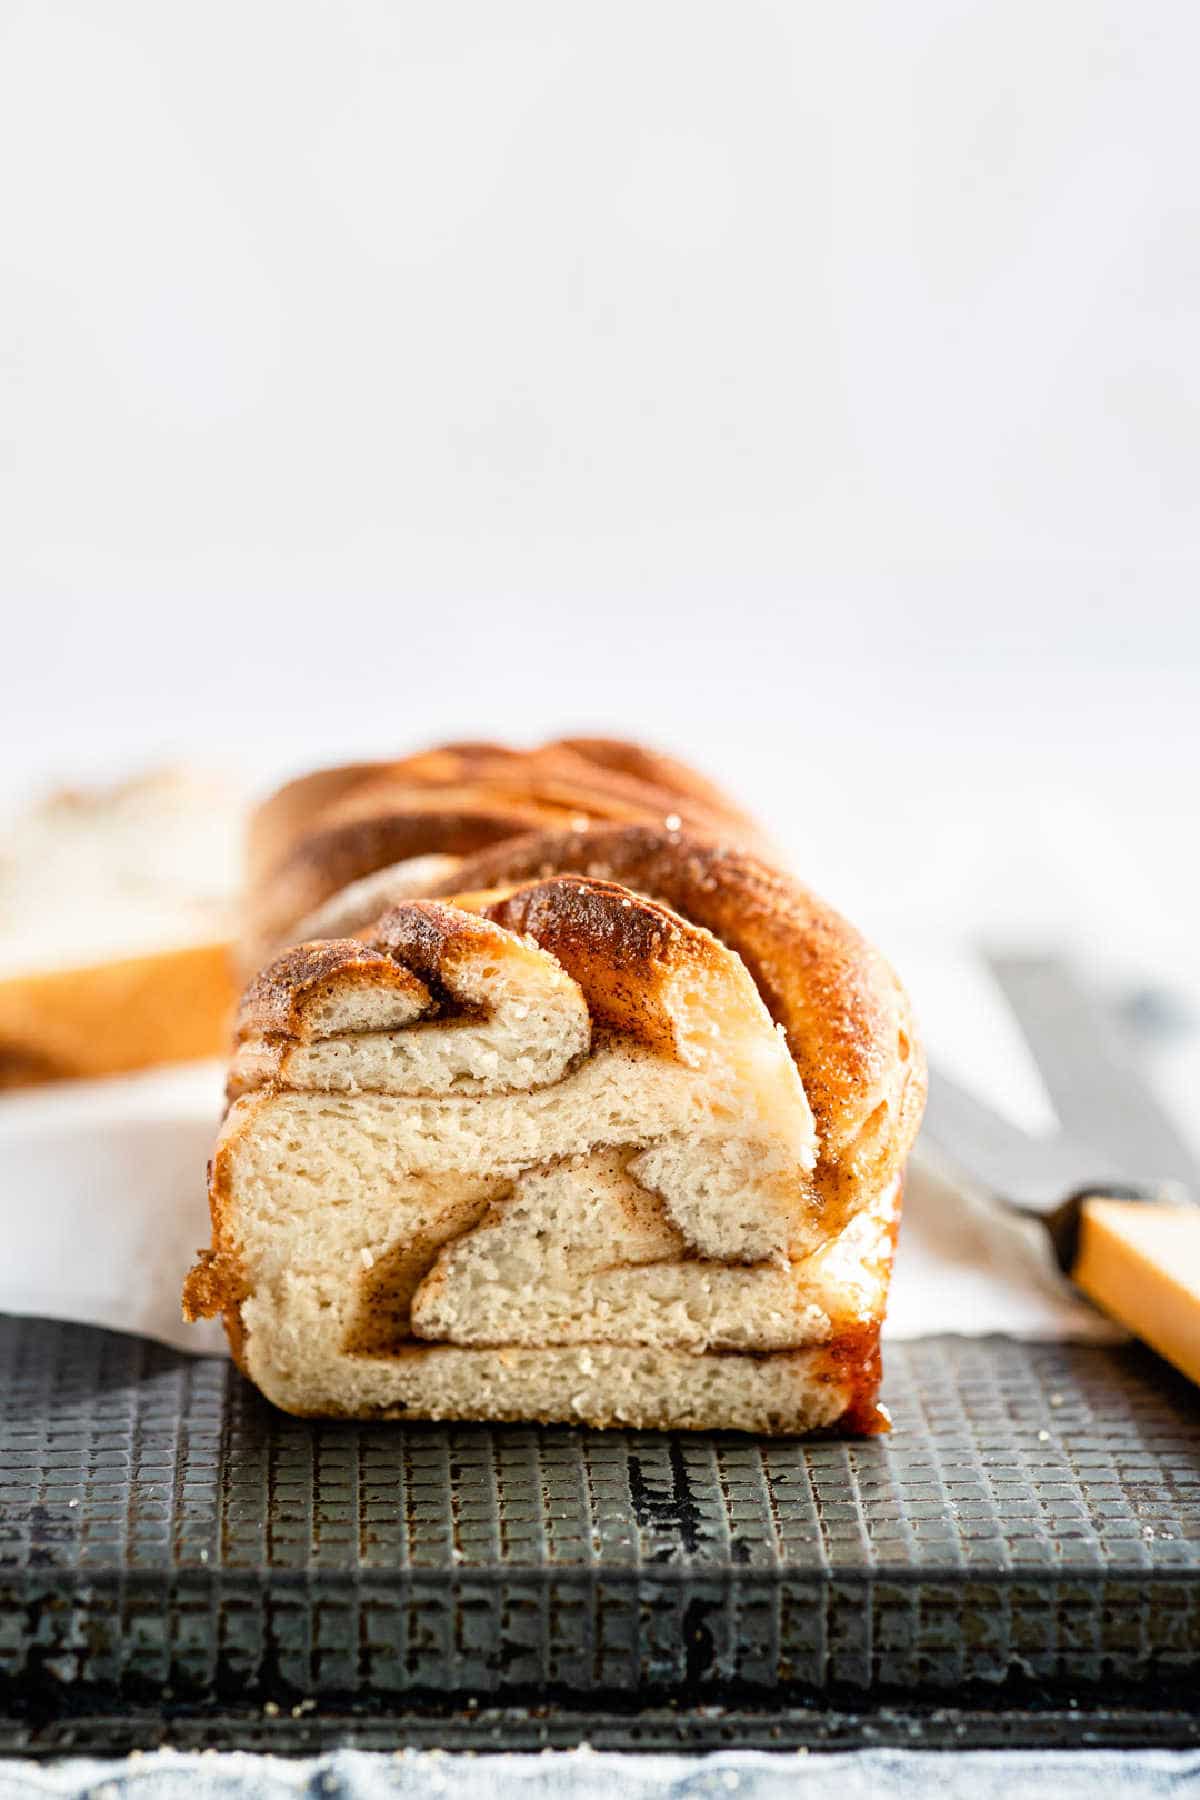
(548, 1158)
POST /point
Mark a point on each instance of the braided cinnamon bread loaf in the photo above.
(602, 1120)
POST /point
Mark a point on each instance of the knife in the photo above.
(1116, 1187)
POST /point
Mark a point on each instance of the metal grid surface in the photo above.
(167, 1537)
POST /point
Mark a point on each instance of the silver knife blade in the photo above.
(1091, 1074)
(988, 1151)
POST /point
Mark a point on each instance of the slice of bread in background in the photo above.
(115, 917)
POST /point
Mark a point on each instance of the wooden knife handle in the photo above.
(1140, 1261)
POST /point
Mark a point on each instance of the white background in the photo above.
(813, 389)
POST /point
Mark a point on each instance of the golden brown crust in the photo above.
(418, 963)
(666, 773)
(426, 935)
(847, 1019)
(217, 1285)
(597, 777)
(280, 1009)
(130, 1013)
(281, 997)
(216, 1281)
(357, 841)
(287, 813)
(321, 833)
(623, 950)
(620, 948)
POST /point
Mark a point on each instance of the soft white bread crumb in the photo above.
(604, 1384)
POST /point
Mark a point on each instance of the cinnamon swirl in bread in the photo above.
(606, 1123)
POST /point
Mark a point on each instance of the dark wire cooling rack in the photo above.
(1019, 1561)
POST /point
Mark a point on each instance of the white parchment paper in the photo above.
(102, 1186)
